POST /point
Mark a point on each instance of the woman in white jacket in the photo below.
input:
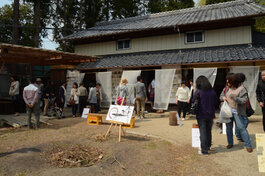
(75, 96)
(183, 98)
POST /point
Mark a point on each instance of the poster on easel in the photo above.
(85, 112)
(119, 113)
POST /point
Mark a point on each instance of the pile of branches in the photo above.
(74, 156)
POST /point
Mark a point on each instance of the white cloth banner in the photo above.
(71, 77)
(131, 76)
(104, 78)
(252, 78)
(209, 73)
(163, 86)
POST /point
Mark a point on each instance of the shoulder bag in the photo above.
(196, 105)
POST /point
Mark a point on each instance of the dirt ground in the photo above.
(22, 151)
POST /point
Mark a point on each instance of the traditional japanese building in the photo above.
(219, 36)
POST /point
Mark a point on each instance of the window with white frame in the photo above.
(123, 44)
(194, 37)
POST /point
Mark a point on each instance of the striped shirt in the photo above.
(30, 94)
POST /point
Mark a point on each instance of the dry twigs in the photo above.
(115, 160)
(76, 156)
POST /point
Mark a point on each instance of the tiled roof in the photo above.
(200, 55)
(209, 13)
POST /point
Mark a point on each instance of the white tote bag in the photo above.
(226, 111)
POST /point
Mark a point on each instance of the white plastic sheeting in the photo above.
(104, 78)
(163, 85)
(131, 76)
(71, 77)
(252, 78)
(209, 73)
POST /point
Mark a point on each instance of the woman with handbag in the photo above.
(206, 112)
(241, 77)
(74, 99)
(122, 92)
(236, 96)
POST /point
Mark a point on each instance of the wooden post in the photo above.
(120, 133)
(108, 130)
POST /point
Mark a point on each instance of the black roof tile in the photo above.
(198, 55)
(208, 13)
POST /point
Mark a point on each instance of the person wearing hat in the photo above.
(122, 92)
(183, 98)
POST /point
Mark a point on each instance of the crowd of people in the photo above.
(236, 96)
(37, 96)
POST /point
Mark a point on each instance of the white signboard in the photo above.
(119, 113)
(85, 111)
(260, 139)
(196, 142)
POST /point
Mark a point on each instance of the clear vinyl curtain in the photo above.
(209, 73)
(163, 86)
(105, 79)
(252, 78)
(131, 76)
(71, 77)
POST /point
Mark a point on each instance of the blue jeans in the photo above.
(94, 107)
(205, 127)
(245, 122)
(74, 109)
(240, 124)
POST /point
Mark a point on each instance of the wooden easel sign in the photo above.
(119, 115)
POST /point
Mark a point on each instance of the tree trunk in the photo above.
(15, 35)
(37, 23)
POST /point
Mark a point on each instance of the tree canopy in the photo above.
(26, 20)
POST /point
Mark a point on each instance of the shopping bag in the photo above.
(226, 111)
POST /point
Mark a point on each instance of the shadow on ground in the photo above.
(22, 150)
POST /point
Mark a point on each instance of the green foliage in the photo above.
(260, 21)
(202, 3)
(155, 6)
(216, 1)
(26, 20)
(6, 13)
(124, 8)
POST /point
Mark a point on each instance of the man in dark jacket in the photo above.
(260, 91)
